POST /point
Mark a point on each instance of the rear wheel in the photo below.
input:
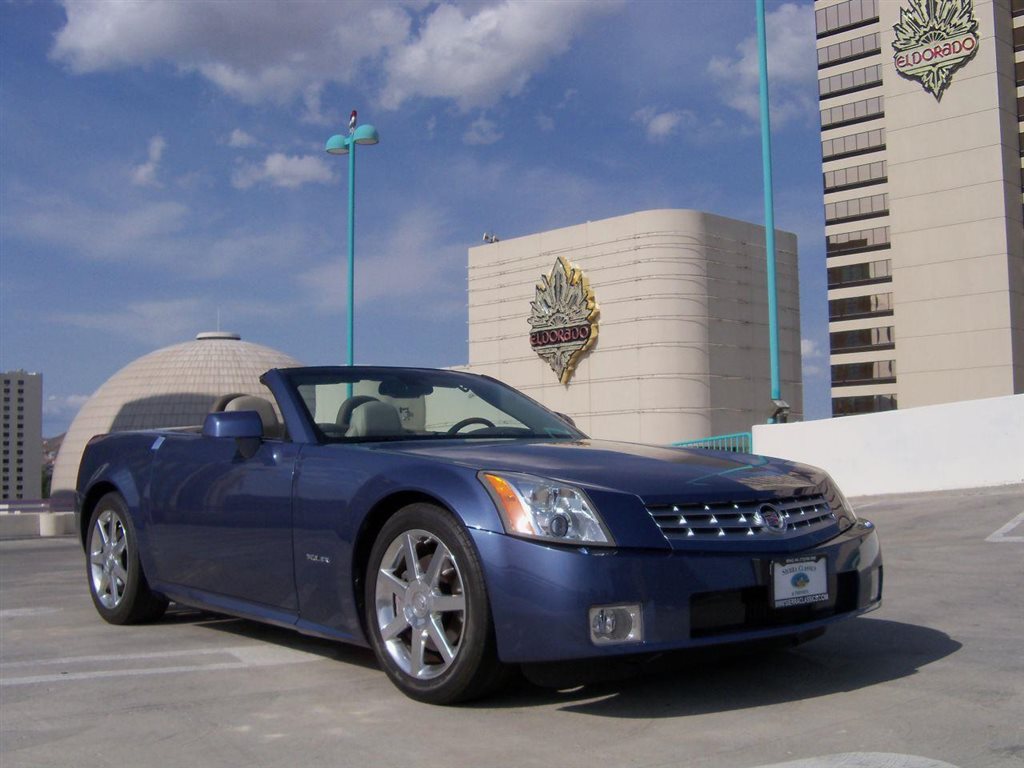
(117, 584)
(427, 611)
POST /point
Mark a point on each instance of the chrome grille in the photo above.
(740, 520)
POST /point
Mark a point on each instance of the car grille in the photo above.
(741, 520)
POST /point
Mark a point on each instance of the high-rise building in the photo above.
(21, 435)
(922, 103)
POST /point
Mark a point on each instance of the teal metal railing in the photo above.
(737, 442)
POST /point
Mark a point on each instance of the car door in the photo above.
(221, 522)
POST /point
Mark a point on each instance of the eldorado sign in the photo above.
(934, 38)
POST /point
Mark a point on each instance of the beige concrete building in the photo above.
(679, 342)
(921, 108)
(21, 435)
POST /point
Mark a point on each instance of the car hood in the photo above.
(654, 473)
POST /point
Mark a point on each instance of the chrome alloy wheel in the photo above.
(420, 604)
(108, 559)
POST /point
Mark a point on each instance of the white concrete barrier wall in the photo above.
(968, 444)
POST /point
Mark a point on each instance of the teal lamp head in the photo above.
(338, 144)
(365, 134)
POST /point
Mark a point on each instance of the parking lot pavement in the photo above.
(933, 678)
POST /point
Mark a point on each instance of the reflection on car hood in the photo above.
(651, 472)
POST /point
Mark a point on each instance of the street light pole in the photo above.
(346, 145)
(781, 407)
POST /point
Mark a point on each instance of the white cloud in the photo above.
(809, 348)
(164, 321)
(168, 236)
(63, 405)
(242, 140)
(414, 259)
(482, 132)
(145, 175)
(280, 170)
(98, 232)
(545, 122)
(812, 357)
(277, 52)
(254, 51)
(791, 69)
(479, 59)
(156, 322)
(659, 126)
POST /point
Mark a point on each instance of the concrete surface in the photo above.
(935, 678)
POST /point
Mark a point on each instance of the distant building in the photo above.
(21, 435)
(922, 129)
(171, 387)
(651, 327)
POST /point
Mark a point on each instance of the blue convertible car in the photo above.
(458, 527)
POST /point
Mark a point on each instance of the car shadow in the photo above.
(268, 633)
(861, 653)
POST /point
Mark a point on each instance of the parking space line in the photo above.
(72, 676)
(1000, 535)
(243, 657)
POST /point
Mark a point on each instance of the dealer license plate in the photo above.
(799, 582)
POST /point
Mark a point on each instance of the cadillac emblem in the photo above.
(773, 520)
(563, 318)
(934, 38)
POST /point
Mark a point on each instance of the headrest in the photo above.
(374, 419)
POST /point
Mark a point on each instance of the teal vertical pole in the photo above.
(769, 204)
(351, 249)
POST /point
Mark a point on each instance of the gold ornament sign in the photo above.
(563, 318)
(934, 38)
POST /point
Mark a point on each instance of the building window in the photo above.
(855, 176)
(854, 112)
(848, 82)
(849, 406)
(856, 307)
(860, 274)
(849, 50)
(856, 209)
(860, 241)
(848, 15)
(863, 339)
(1018, 40)
(877, 372)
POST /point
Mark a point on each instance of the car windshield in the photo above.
(375, 404)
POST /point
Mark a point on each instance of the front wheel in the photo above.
(117, 584)
(427, 612)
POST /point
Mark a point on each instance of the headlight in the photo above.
(545, 509)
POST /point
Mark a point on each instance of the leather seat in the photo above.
(272, 428)
(375, 419)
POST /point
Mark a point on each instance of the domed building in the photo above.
(172, 387)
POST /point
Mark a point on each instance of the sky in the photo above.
(162, 164)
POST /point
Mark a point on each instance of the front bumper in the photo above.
(540, 595)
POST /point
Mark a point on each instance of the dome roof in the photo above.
(171, 387)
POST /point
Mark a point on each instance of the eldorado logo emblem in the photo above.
(934, 38)
(564, 318)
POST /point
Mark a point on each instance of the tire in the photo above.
(427, 612)
(117, 584)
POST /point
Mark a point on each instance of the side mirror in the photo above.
(246, 427)
(240, 425)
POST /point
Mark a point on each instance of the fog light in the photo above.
(875, 585)
(616, 624)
